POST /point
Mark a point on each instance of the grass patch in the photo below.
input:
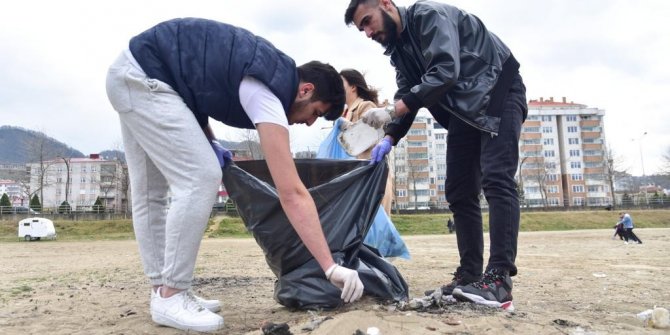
(407, 224)
(227, 227)
(21, 289)
(78, 230)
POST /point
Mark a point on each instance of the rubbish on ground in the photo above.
(315, 322)
(270, 328)
(658, 317)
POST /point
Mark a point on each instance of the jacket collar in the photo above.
(353, 107)
(402, 11)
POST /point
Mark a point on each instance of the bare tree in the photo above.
(252, 142)
(114, 177)
(519, 183)
(612, 170)
(412, 176)
(537, 174)
(38, 156)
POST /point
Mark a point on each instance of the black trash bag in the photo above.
(347, 195)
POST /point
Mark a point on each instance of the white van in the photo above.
(31, 229)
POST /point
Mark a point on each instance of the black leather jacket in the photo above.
(447, 61)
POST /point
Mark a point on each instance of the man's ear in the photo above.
(305, 89)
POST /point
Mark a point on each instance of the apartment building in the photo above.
(14, 192)
(419, 165)
(562, 155)
(80, 181)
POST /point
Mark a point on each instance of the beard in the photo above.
(296, 108)
(390, 31)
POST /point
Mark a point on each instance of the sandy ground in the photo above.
(576, 282)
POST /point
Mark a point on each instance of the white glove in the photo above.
(347, 280)
(344, 124)
(378, 117)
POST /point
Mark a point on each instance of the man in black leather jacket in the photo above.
(448, 62)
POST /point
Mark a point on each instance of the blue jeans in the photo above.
(478, 161)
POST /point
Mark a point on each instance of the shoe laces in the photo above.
(488, 279)
(457, 277)
(191, 302)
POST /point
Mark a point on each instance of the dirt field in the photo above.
(576, 282)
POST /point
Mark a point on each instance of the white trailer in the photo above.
(31, 229)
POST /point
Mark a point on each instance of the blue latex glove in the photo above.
(381, 150)
(221, 153)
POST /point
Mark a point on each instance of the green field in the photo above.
(416, 224)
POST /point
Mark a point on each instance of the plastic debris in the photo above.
(270, 328)
(658, 317)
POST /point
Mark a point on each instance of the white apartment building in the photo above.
(562, 155)
(80, 181)
(419, 164)
(13, 190)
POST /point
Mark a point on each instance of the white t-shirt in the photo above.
(260, 104)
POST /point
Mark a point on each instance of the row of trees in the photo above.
(35, 204)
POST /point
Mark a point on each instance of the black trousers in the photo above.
(478, 161)
(630, 235)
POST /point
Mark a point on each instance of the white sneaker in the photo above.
(183, 311)
(213, 305)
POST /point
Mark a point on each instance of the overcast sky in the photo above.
(607, 54)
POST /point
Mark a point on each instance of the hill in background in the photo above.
(20, 146)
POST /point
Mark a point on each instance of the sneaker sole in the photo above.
(507, 305)
(169, 322)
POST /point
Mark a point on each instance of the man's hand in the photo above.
(347, 280)
(378, 117)
(381, 150)
(221, 153)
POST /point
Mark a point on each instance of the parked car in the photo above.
(24, 210)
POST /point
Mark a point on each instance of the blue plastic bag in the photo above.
(382, 235)
(331, 148)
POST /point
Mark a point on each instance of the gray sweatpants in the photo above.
(167, 154)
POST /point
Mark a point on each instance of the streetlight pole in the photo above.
(639, 143)
(67, 179)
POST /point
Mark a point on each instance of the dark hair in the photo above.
(351, 9)
(355, 78)
(328, 86)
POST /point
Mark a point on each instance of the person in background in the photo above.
(166, 86)
(450, 225)
(447, 61)
(619, 231)
(360, 97)
(627, 223)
